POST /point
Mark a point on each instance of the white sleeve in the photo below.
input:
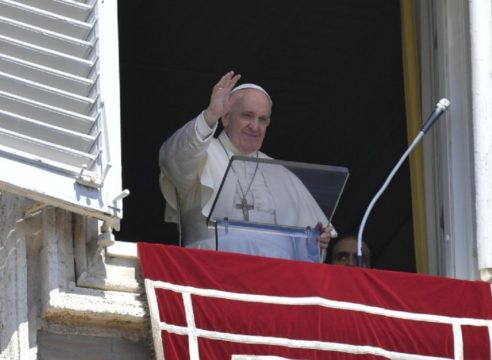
(183, 154)
(202, 129)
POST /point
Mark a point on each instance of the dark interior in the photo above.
(333, 69)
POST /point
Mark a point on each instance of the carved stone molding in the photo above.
(57, 278)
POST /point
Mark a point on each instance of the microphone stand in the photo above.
(441, 107)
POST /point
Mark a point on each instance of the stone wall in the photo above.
(76, 347)
(63, 287)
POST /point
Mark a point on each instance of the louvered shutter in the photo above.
(59, 104)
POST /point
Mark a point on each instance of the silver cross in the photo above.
(245, 207)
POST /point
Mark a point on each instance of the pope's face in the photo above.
(246, 122)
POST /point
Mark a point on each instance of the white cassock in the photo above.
(193, 164)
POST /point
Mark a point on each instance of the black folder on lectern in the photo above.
(270, 207)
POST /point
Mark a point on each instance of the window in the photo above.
(59, 104)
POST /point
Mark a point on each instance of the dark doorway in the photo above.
(333, 69)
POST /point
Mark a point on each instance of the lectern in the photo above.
(271, 207)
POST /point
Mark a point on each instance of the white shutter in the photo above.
(59, 104)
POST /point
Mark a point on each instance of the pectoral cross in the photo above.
(245, 207)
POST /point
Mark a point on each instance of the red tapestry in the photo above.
(217, 305)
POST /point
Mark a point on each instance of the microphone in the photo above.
(441, 107)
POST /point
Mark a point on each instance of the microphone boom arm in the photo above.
(378, 195)
(441, 107)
